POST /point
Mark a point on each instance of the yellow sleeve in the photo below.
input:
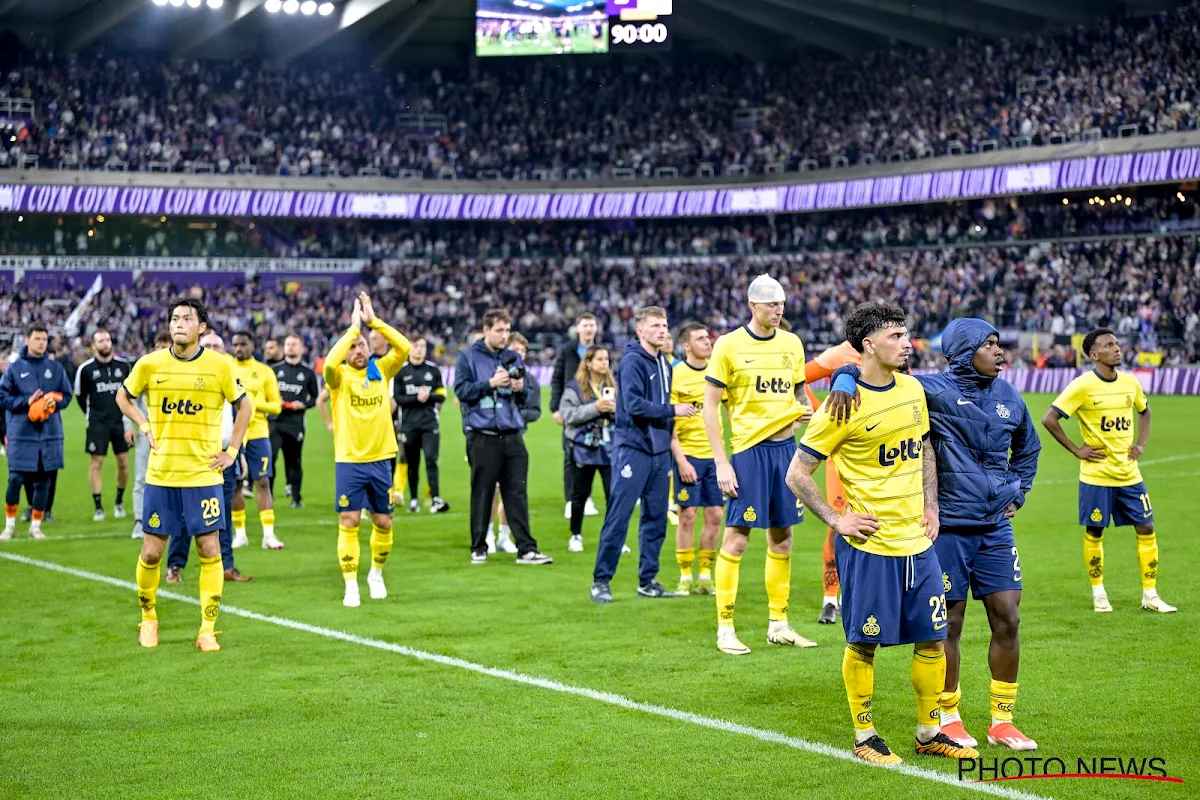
(1139, 398)
(391, 364)
(333, 362)
(138, 379)
(231, 385)
(1069, 401)
(675, 397)
(272, 401)
(822, 437)
(719, 371)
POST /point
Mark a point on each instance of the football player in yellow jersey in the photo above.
(891, 580)
(364, 443)
(260, 381)
(759, 371)
(186, 388)
(695, 484)
(1110, 483)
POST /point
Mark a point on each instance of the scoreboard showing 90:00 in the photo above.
(639, 25)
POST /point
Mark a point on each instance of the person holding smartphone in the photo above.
(588, 406)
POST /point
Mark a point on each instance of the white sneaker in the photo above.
(98, 515)
(271, 543)
(782, 633)
(137, 531)
(351, 598)
(7, 534)
(491, 542)
(36, 533)
(567, 511)
(1152, 602)
(589, 509)
(728, 642)
(575, 544)
(118, 511)
(503, 542)
(240, 539)
(375, 584)
(1100, 602)
(478, 558)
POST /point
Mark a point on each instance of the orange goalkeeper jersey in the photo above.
(827, 363)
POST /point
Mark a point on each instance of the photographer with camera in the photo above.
(588, 407)
(489, 381)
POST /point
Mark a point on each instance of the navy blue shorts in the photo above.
(258, 459)
(764, 499)
(891, 599)
(985, 559)
(705, 491)
(362, 486)
(186, 511)
(1119, 506)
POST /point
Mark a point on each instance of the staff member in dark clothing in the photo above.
(96, 384)
(298, 388)
(489, 382)
(565, 367)
(419, 393)
(33, 390)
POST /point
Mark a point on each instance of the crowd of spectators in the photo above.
(1145, 287)
(116, 110)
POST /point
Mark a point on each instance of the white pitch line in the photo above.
(51, 538)
(608, 698)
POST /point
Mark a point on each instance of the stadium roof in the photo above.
(442, 31)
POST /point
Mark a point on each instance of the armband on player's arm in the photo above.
(232, 452)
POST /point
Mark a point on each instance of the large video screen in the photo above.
(540, 27)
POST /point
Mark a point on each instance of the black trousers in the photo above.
(291, 442)
(584, 474)
(429, 443)
(37, 488)
(568, 469)
(499, 459)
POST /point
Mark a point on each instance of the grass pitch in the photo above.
(353, 707)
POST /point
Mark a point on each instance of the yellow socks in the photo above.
(400, 479)
(1093, 556)
(212, 583)
(727, 574)
(858, 672)
(684, 558)
(1147, 549)
(948, 701)
(707, 557)
(239, 521)
(266, 518)
(381, 545)
(1003, 698)
(347, 550)
(928, 674)
(779, 585)
(147, 591)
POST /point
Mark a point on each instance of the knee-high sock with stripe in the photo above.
(1147, 550)
(779, 585)
(685, 559)
(381, 546)
(400, 478)
(266, 518)
(1003, 699)
(706, 559)
(239, 521)
(1093, 557)
(928, 675)
(147, 589)
(212, 584)
(728, 572)
(347, 550)
(858, 673)
(948, 701)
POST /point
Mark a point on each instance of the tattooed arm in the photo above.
(929, 482)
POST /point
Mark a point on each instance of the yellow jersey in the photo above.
(761, 378)
(879, 458)
(1105, 412)
(361, 407)
(185, 403)
(687, 386)
(260, 382)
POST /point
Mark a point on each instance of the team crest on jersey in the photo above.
(626, 471)
(48, 373)
(199, 384)
(946, 582)
(91, 447)
(428, 376)
(787, 361)
(916, 414)
(280, 373)
(871, 626)
(95, 373)
(1097, 516)
(117, 373)
(154, 520)
(343, 501)
(683, 495)
(750, 515)
(1002, 411)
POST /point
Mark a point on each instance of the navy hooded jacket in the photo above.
(645, 416)
(484, 408)
(33, 446)
(974, 423)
